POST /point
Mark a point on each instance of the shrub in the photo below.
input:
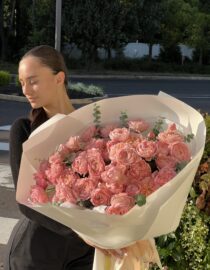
(188, 248)
(5, 77)
(80, 90)
(170, 54)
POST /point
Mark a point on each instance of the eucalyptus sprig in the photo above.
(158, 127)
(97, 115)
(123, 118)
(188, 137)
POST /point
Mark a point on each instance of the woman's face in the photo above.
(38, 82)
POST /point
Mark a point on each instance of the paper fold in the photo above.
(163, 209)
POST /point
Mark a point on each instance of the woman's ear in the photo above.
(60, 77)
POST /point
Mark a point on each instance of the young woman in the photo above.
(38, 242)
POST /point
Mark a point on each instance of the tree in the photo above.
(93, 24)
(42, 20)
(199, 29)
(14, 26)
(150, 15)
(7, 11)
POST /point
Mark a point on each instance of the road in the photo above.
(193, 92)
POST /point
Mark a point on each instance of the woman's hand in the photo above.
(118, 253)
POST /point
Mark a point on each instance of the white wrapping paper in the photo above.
(162, 212)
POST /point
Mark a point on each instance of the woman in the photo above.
(38, 242)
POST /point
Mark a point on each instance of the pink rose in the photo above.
(180, 151)
(123, 153)
(38, 195)
(54, 172)
(151, 135)
(96, 163)
(63, 151)
(172, 128)
(147, 186)
(55, 158)
(68, 177)
(101, 196)
(84, 187)
(88, 134)
(162, 148)
(170, 137)
(119, 134)
(146, 149)
(114, 174)
(138, 125)
(40, 176)
(133, 189)
(96, 143)
(104, 131)
(64, 193)
(166, 161)
(164, 175)
(120, 204)
(80, 164)
(139, 170)
(115, 188)
(74, 143)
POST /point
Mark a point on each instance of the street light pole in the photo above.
(58, 25)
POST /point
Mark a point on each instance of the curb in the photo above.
(142, 77)
(81, 101)
(145, 76)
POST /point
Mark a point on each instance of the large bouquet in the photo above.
(120, 179)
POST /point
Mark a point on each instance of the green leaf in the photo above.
(123, 118)
(158, 127)
(96, 115)
(180, 166)
(193, 194)
(188, 137)
(140, 199)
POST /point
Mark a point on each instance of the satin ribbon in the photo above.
(139, 256)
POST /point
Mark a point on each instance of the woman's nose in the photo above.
(26, 88)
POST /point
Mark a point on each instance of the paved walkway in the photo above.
(7, 193)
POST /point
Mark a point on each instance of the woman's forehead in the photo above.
(31, 66)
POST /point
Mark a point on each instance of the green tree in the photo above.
(14, 28)
(7, 14)
(150, 15)
(199, 34)
(94, 24)
(42, 20)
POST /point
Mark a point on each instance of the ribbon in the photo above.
(139, 257)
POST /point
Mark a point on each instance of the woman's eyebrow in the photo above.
(31, 77)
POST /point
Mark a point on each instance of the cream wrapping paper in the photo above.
(162, 212)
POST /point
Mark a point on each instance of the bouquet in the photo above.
(122, 177)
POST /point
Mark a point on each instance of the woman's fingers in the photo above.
(118, 253)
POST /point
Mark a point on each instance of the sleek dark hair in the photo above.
(51, 58)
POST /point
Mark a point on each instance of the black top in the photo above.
(19, 133)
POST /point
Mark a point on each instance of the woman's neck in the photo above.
(62, 105)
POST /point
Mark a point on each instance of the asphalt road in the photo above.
(195, 92)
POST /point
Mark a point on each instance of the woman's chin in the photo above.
(34, 105)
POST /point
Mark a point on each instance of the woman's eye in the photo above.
(32, 82)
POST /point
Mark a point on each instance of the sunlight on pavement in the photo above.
(6, 225)
(6, 176)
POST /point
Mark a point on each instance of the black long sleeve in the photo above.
(19, 133)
